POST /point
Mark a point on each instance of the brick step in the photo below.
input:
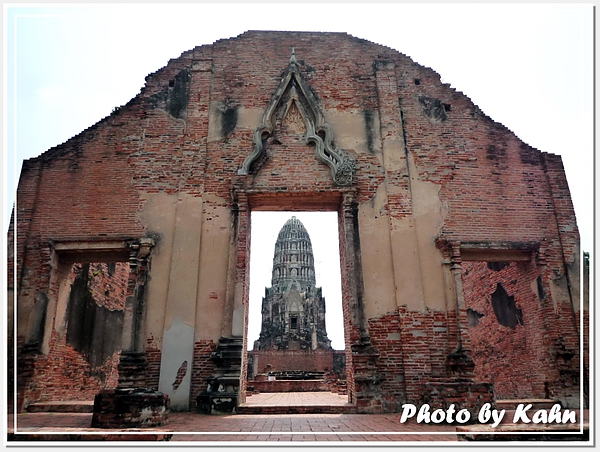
(298, 409)
(86, 406)
(340, 387)
(537, 404)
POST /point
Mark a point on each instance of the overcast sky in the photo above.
(529, 67)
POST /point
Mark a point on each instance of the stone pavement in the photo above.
(243, 428)
(296, 399)
(240, 428)
(296, 403)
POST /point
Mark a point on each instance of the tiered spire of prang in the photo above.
(293, 261)
(293, 309)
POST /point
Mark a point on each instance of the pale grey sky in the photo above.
(527, 66)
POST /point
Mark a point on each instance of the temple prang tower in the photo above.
(293, 309)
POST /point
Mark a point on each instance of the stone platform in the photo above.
(296, 403)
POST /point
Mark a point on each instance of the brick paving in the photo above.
(239, 427)
(234, 428)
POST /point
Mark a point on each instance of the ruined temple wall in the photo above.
(483, 187)
(563, 258)
(65, 375)
(429, 164)
(494, 188)
(538, 349)
(77, 362)
(501, 351)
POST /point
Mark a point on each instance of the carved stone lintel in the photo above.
(318, 132)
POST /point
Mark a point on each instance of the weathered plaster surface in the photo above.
(212, 284)
(559, 290)
(158, 218)
(183, 290)
(178, 346)
(409, 288)
(378, 269)
(247, 118)
(349, 129)
(185, 260)
(429, 213)
(60, 322)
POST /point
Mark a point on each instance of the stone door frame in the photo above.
(341, 201)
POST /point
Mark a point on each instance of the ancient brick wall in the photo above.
(153, 356)
(203, 368)
(65, 374)
(81, 360)
(513, 356)
(291, 386)
(385, 335)
(413, 348)
(282, 360)
(108, 284)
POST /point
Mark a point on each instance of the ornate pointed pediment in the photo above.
(301, 112)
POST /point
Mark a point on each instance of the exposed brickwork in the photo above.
(290, 386)
(203, 367)
(64, 374)
(108, 284)
(280, 360)
(501, 353)
(463, 394)
(153, 356)
(413, 347)
(586, 358)
(385, 337)
(351, 330)
(584, 329)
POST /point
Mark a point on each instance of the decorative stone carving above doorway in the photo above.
(296, 105)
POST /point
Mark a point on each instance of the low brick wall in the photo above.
(290, 360)
(290, 386)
